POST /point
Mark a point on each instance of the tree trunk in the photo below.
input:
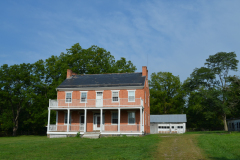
(15, 120)
(225, 122)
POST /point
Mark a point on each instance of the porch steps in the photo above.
(92, 135)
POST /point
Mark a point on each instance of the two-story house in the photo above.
(115, 103)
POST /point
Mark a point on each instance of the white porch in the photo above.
(98, 122)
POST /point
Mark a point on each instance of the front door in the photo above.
(96, 122)
(99, 99)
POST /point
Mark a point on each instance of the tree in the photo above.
(211, 84)
(15, 88)
(221, 63)
(166, 94)
(25, 89)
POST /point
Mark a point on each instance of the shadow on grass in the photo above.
(212, 132)
(220, 158)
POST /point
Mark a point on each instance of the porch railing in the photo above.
(105, 128)
(63, 128)
(77, 103)
(126, 128)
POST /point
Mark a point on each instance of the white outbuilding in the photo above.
(233, 124)
(168, 123)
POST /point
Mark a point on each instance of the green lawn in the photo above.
(213, 145)
(41, 147)
(220, 145)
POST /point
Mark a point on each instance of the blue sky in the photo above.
(174, 36)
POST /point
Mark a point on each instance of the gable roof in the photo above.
(168, 118)
(103, 80)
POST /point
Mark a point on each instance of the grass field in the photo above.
(221, 145)
(41, 147)
(193, 145)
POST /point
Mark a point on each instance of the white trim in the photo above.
(64, 133)
(119, 120)
(49, 110)
(134, 117)
(66, 96)
(134, 95)
(99, 91)
(69, 118)
(112, 95)
(112, 117)
(99, 99)
(81, 96)
(85, 119)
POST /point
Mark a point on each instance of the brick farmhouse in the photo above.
(110, 104)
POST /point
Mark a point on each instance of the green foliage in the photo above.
(207, 90)
(78, 134)
(25, 89)
(167, 97)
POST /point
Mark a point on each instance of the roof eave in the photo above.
(100, 88)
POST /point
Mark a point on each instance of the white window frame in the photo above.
(65, 118)
(118, 95)
(66, 97)
(81, 96)
(112, 118)
(134, 118)
(134, 95)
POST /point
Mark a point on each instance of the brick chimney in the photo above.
(145, 71)
(70, 73)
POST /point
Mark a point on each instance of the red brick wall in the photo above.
(89, 121)
(107, 94)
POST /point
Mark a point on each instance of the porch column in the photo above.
(141, 119)
(119, 115)
(68, 120)
(85, 120)
(49, 110)
(101, 120)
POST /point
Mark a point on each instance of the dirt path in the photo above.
(180, 147)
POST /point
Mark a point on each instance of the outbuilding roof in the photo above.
(166, 118)
(103, 80)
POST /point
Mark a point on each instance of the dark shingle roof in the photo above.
(168, 118)
(103, 80)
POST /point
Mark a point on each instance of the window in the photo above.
(131, 117)
(65, 118)
(131, 96)
(83, 97)
(148, 101)
(172, 127)
(68, 97)
(145, 118)
(115, 96)
(82, 119)
(145, 98)
(114, 118)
